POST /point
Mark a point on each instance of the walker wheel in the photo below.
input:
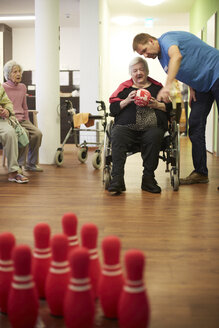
(97, 160)
(82, 154)
(59, 157)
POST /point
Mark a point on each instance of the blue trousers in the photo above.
(197, 124)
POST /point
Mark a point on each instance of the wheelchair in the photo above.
(73, 131)
(170, 154)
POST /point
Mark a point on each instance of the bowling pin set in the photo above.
(70, 278)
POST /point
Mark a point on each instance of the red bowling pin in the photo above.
(79, 307)
(111, 280)
(89, 233)
(69, 227)
(133, 310)
(7, 243)
(41, 256)
(23, 299)
(58, 275)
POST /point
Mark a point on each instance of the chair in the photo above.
(33, 113)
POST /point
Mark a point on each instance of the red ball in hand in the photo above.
(142, 97)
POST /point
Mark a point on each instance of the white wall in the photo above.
(121, 51)
(1, 58)
(70, 48)
(115, 49)
(24, 48)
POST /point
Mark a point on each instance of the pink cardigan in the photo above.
(17, 94)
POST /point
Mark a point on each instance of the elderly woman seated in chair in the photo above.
(137, 125)
(16, 92)
(8, 139)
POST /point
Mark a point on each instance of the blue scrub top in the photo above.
(200, 62)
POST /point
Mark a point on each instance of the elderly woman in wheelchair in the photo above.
(139, 126)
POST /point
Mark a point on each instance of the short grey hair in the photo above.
(9, 67)
(138, 60)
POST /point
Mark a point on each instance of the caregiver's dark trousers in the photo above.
(197, 124)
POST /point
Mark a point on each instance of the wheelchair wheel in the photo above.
(107, 143)
(59, 157)
(106, 178)
(82, 154)
(177, 149)
(107, 153)
(175, 182)
(97, 160)
(175, 171)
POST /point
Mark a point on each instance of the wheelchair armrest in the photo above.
(96, 117)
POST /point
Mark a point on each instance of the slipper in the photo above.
(34, 168)
(19, 178)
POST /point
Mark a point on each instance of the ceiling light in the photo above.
(149, 22)
(123, 20)
(17, 17)
(151, 2)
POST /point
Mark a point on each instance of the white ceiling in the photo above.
(69, 10)
(136, 8)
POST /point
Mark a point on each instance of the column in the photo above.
(89, 52)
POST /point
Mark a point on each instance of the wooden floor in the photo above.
(177, 231)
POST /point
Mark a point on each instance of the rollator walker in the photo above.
(75, 132)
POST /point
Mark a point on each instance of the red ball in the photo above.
(142, 97)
